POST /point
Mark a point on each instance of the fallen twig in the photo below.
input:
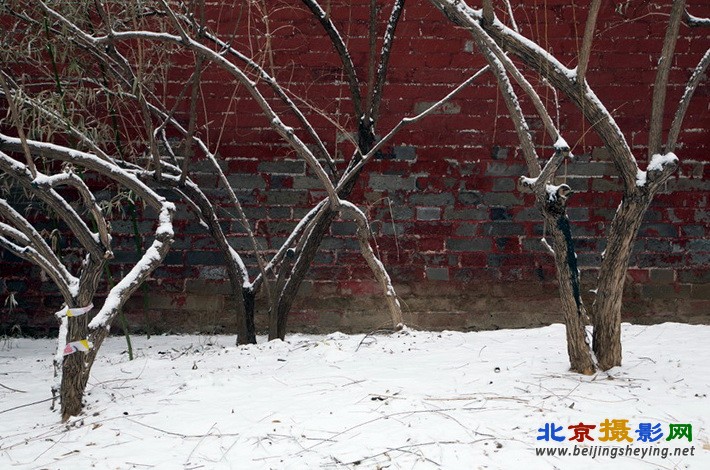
(12, 389)
(25, 405)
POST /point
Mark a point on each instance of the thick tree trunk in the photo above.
(247, 332)
(287, 295)
(75, 367)
(573, 310)
(612, 275)
(554, 210)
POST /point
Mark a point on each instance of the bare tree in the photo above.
(278, 277)
(79, 339)
(127, 143)
(499, 43)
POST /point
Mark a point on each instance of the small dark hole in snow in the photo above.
(496, 370)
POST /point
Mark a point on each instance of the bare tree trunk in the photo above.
(287, 295)
(75, 367)
(573, 310)
(612, 276)
(73, 371)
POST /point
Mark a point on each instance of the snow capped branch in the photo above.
(690, 88)
(655, 135)
(560, 77)
(694, 21)
(21, 174)
(586, 49)
(342, 51)
(378, 269)
(151, 259)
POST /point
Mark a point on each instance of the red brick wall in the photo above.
(459, 239)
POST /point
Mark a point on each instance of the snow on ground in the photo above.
(414, 400)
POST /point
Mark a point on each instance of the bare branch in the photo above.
(33, 256)
(488, 14)
(351, 172)
(385, 53)
(86, 160)
(372, 45)
(342, 51)
(378, 269)
(10, 97)
(694, 21)
(57, 203)
(39, 251)
(70, 178)
(693, 82)
(655, 136)
(513, 70)
(321, 150)
(489, 48)
(561, 78)
(587, 41)
(189, 146)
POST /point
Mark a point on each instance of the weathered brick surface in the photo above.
(459, 238)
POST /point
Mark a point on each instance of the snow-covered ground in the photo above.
(411, 400)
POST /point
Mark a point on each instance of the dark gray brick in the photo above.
(503, 228)
(259, 212)
(396, 229)
(662, 276)
(244, 244)
(578, 214)
(405, 152)
(343, 228)
(470, 198)
(465, 214)
(504, 184)
(284, 167)
(505, 169)
(500, 213)
(347, 244)
(287, 197)
(528, 214)
(696, 231)
(578, 185)
(699, 275)
(468, 230)
(468, 244)
(589, 259)
(429, 199)
(205, 165)
(437, 274)
(606, 184)
(499, 153)
(699, 245)
(593, 168)
(392, 182)
(501, 199)
(245, 181)
(396, 212)
(204, 258)
(428, 213)
(306, 182)
(447, 108)
(658, 230)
